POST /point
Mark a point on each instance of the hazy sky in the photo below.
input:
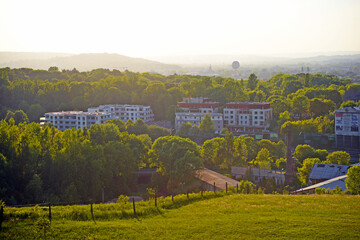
(141, 28)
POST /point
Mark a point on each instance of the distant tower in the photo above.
(308, 69)
(235, 65)
(302, 69)
(290, 162)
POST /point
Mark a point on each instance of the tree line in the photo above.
(296, 97)
(44, 164)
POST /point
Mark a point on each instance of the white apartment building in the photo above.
(196, 118)
(75, 119)
(126, 112)
(347, 131)
(247, 117)
(193, 110)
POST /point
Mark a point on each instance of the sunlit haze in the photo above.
(164, 28)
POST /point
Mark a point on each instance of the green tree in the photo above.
(34, 190)
(252, 148)
(139, 127)
(212, 151)
(306, 168)
(300, 105)
(240, 151)
(338, 157)
(321, 154)
(304, 151)
(349, 104)
(252, 81)
(206, 126)
(35, 112)
(319, 107)
(263, 159)
(120, 124)
(353, 179)
(184, 130)
(53, 69)
(279, 106)
(156, 132)
(281, 163)
(284, 117)
(70, 193)
(176, 158)
(291, 87)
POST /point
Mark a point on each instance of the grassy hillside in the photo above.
(229, 217)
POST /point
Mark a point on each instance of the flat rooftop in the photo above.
(77, 113)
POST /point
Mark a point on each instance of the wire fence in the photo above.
(140, 208)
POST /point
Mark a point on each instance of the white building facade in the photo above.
(126, 112)
(196, 118)
(247, 117)
(98, 115)
(347, 121)
(193, 110)
(76, 119)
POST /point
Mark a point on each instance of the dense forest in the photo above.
(39, 91)
(44, 164)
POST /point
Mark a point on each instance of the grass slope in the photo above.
(230, 217)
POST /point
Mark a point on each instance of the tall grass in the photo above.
(120, 210)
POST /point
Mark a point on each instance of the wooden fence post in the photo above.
(226, 187)
(134, 205)
(50, 212)
(172, 197)
(214, 187)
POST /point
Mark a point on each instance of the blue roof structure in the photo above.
(327, 171)
(329, 184)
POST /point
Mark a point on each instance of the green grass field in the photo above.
(236, 216)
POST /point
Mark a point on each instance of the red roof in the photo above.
(248, 106)
(199, 105)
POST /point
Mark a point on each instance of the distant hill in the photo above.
(257, 59)
(8, 57)
(329, 59)
(83, 62)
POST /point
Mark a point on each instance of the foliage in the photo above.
(306, 168)
(206, 126)
(37, 163)
(353, 179)
(263, 159)
(76, 164)
(338, 157)
(304, 151)
(123, 200)
(176, 158)
(42, 226)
